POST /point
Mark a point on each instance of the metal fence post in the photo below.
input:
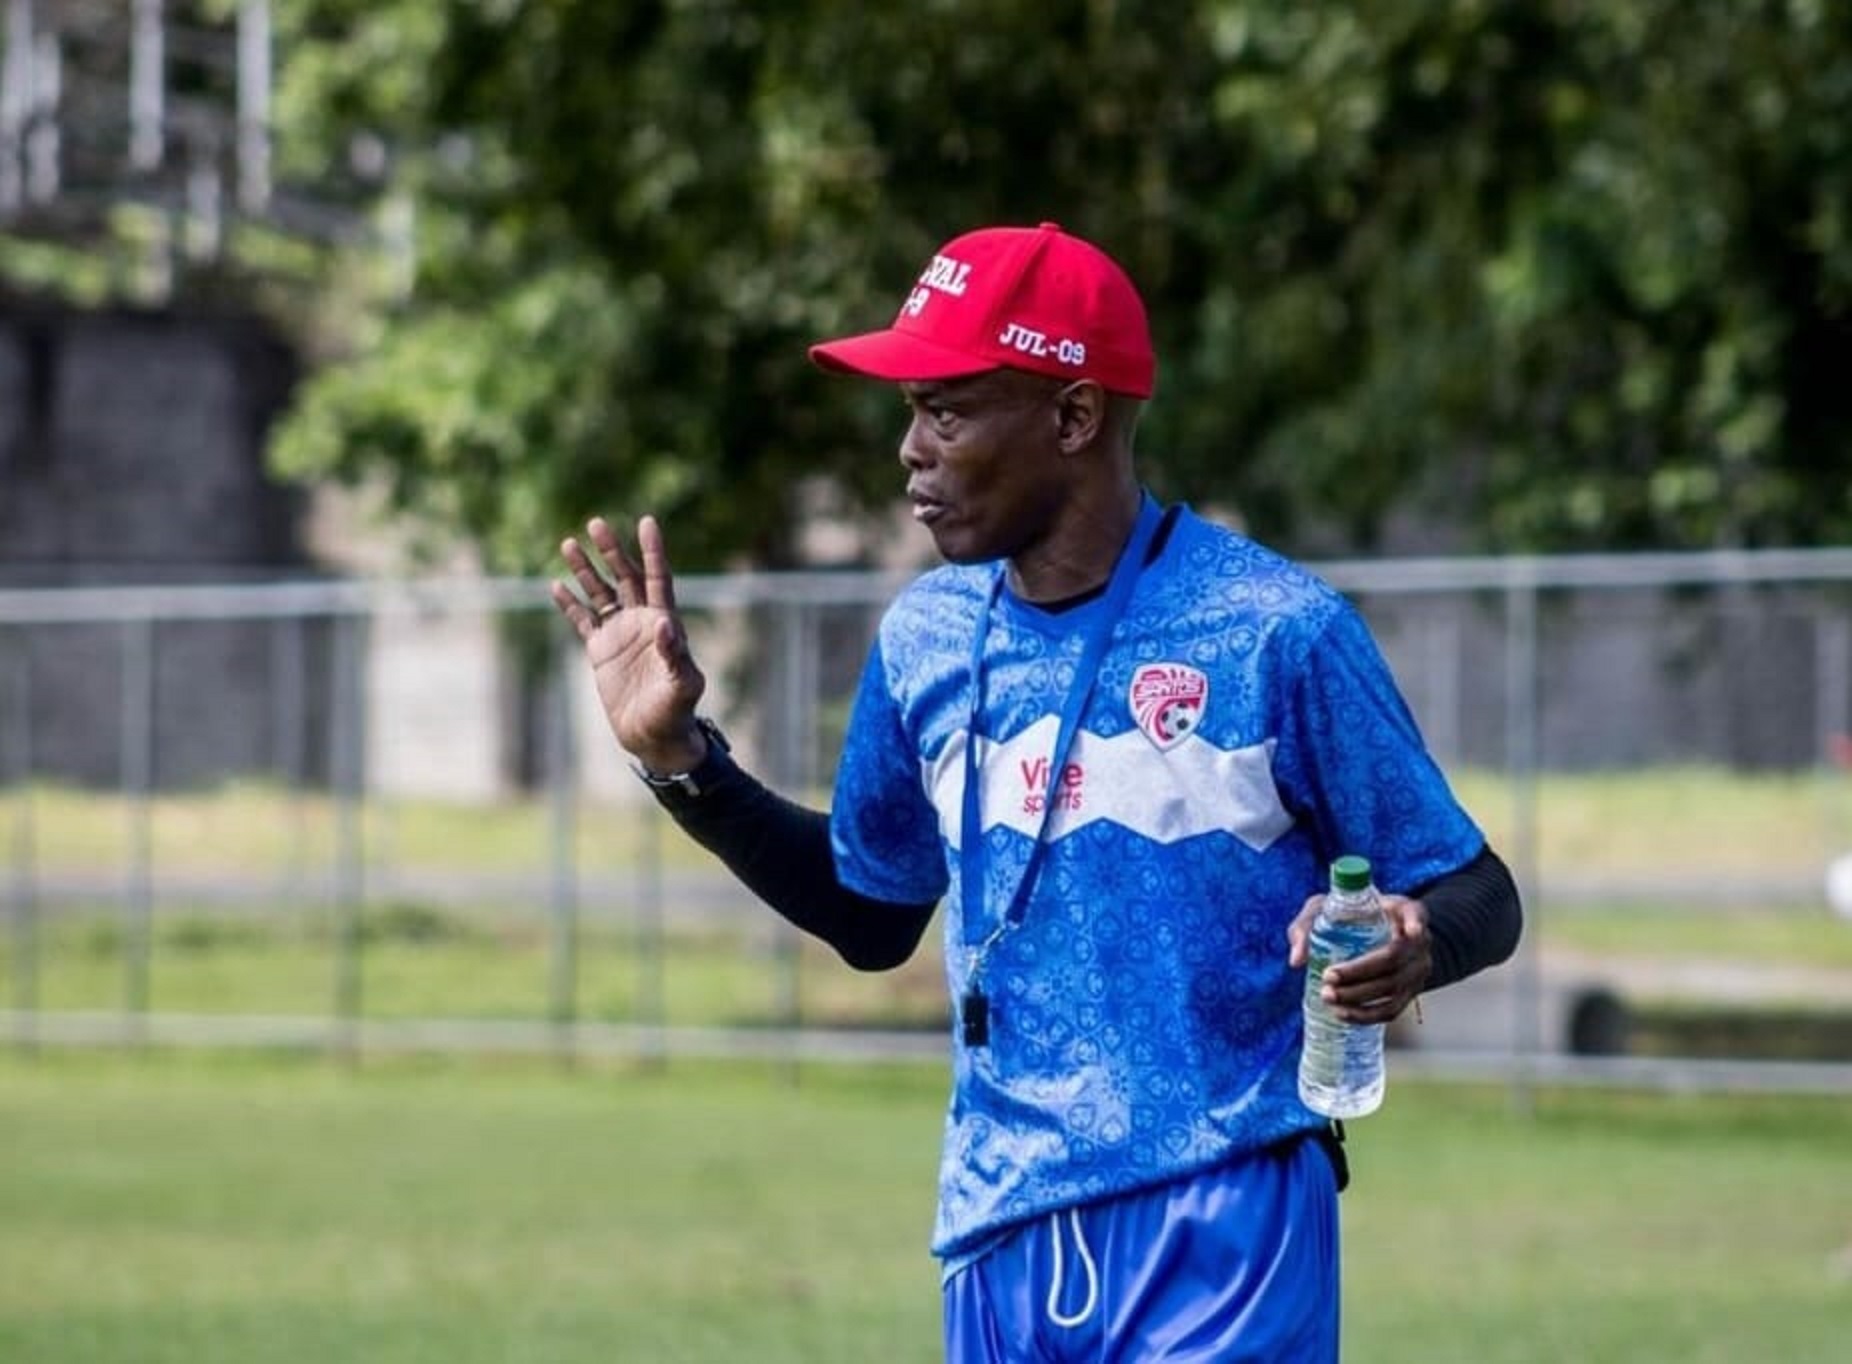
(348, 742)
(1833, 720)
(137, 779)
(147, 87)
(647, 939)
(1441, 647)
(18, 102)
(1522, 736)
(289, 752)
(23, 882)
(794, 750)
(255, 64)
(563, 883)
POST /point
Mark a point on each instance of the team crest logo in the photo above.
(1167, 701)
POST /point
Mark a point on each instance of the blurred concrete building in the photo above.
(135, 140)
(131, 452)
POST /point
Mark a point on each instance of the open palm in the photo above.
(647, 680)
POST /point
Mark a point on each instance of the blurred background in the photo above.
(1527, 324)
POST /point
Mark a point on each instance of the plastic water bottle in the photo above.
(1341, 1067)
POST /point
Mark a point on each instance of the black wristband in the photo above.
(702, 775)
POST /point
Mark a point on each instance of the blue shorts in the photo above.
(1237, 1263)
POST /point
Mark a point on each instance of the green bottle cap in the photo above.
(1350, 873)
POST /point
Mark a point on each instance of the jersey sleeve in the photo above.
(884, 831)
(1352, 760)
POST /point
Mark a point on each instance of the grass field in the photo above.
(275, 954)
(160, 1207)
(1686, 823)
(169, 1210)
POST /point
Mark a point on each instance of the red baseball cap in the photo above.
(1033, 298)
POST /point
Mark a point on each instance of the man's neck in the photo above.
(1079, 557)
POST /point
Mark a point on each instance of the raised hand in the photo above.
(647, 680)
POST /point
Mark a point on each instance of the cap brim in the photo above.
(896, 356)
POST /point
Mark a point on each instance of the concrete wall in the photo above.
(131, 452)
(131, 446)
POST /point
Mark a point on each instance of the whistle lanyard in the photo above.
(1093, 654)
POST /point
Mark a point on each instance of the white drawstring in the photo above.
(1054, 1280)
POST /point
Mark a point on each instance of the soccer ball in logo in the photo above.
(1167, 700)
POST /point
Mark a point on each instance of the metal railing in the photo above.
(109, 697)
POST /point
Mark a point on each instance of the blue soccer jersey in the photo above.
(1242, 732)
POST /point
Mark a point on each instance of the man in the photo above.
(1123, 745)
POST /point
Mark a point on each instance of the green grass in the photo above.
(1685, 822)
(433, 964)
(1693, 821)
(1768, 934)
(1610, 1228)
(452, 965)
(246, 828)
(160, 1208)
(496, 961)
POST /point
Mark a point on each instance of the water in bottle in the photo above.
(1341, 1067)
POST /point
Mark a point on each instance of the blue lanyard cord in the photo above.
(1093, 654)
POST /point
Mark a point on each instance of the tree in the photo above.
(1556, 275)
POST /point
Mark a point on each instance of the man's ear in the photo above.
(1081, 413)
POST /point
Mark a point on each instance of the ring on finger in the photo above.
(606, 609)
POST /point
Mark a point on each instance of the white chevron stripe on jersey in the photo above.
(1166, 796)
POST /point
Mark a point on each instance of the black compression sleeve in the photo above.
(1474, 918)
(781, 852)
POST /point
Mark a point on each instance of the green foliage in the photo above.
(1559, 275)
(484, 421)
(403, 921)
(206, 933)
